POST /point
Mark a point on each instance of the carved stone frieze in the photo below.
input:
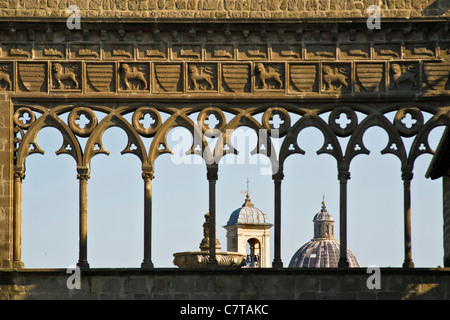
(191, 60)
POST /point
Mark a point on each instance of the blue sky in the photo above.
(180, 199)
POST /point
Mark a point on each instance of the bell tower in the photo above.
(248, 232)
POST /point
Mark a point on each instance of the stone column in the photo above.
(6, 182)
(277, 178)
(407, 176)
(147, 262)
(212, 176)
(83, 176)
(343, 176)
(19, 175)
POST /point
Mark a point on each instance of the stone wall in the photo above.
(256, 284)
(223, 9)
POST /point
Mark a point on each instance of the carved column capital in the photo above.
(278, 176)
(407, 174)
(19, 175)
(147, 175)
(83, 174)
(343, 175)
(212, 172)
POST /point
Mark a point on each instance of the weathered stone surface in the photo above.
(228, 9)
(287, 284)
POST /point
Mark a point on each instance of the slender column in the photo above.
(148, 177)
(212, 176)
(407, 176)
(83, 176)
(343, 177)
(277, 178)
(19, 175)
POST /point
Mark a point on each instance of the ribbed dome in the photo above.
(248, 214)
(324, 250)
(320, 254)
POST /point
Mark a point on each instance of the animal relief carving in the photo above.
(61, 75)
(201, 75)
(334, 78)
(269, 78)
(5, 77)
(133, 74)
(403, 74)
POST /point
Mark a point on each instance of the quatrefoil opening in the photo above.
(24, 117)
(408, 121)
(277, 121)
(212, 121)
(82, 121)
(146, 121)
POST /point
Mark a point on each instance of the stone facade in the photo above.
(255, 284)
(223, 9)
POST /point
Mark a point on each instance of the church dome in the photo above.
(248, 214)
(323, 251)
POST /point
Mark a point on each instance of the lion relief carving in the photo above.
(334, 78)
(5, 78)
(133, 74)
(269, 74)
(199, 75)
(401, 74)
(62, 75)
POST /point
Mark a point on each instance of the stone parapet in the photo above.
(237, 284)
